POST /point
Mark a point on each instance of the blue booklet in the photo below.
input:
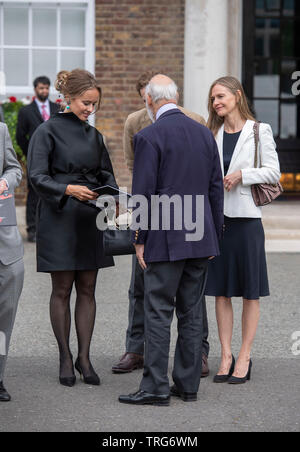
(8, 215)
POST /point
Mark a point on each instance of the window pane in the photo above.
(287, 82)
(267, 34)
(268, 7)
(72, 59)
(289, 115)
(72, 28)
(44, 63)
(44, 27)
(288, 7)
(268, 111)
(16, 67)
(15, 26)
(267, 79)
(290, 38)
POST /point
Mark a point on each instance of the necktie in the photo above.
(45, 115)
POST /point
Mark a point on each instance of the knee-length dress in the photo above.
(241, 268)
(63, 151)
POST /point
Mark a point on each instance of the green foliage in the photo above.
(11, 110)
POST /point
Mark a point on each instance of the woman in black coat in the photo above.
(67, 159)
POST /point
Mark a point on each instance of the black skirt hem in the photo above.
(238, 296)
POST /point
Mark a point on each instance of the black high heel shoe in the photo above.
(92, 379)
(225, 378)
(241, 381)
(68, 381)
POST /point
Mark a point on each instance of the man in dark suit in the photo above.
(29, 119)
(177, 158)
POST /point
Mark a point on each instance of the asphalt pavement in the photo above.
(269, 402)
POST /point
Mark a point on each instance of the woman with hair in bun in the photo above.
(67, 159)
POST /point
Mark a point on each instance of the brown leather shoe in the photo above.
(205, 369)
(128, 363)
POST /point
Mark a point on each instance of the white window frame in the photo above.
(58, 5)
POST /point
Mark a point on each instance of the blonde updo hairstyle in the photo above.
(215, 122)
(72, 84)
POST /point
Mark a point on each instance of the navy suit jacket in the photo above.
(178, 156)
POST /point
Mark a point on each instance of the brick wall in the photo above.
(133, 36)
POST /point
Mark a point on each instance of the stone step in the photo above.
(282, 234)
(281, 222)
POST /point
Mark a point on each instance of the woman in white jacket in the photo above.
(241, 270)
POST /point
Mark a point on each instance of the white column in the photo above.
(206, 50)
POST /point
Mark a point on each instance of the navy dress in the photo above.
(241, 269)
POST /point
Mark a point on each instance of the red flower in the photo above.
(13, 99)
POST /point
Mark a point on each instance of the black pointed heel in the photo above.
(241, 381)
(225, 378)
(92, 379)
(68, 381)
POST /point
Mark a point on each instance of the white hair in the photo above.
(159, 92)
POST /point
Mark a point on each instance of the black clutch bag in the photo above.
(118, 242)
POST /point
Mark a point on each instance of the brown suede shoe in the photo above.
(205, 369)
(128, 363)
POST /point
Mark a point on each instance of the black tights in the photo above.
(85, 312)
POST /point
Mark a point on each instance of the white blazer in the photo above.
(238, 203)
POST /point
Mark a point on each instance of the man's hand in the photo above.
(80, 192)
(232, 180)
(140, 249)
(3, 186)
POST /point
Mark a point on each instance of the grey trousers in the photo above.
(11, 285)
(169, 286)
(135, 338)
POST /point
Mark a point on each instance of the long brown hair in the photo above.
(74, 83)
(215, 122)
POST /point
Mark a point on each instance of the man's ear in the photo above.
(149, 100)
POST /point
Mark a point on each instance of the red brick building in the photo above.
(132, 37)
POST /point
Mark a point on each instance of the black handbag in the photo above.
(118, 242)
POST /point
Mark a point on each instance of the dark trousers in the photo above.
(31, 205)
(173, 286)
(135, 332)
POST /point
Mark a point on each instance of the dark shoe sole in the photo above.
(126, 371)
(163, 403)
(5, 400)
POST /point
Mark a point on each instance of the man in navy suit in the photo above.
(175, 158)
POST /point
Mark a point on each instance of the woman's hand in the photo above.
(232, 180)
(80, 192)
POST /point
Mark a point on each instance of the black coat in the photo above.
(29, 119)
(62, 151)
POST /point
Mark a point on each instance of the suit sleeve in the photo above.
(145, 171)
(22, 132)
(12, 169)
(216, 191)
(128, 145)
(107, 172)
(269, 173)
(39, 158)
